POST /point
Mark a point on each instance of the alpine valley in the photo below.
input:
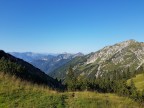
(46, 62)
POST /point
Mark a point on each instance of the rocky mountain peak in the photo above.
(109, 51)
(128, 42)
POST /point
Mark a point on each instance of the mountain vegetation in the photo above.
(15, 93)
(25, 71)
(109, 83)
(138, 81)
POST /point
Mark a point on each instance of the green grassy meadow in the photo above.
(15, 93)
(138, 81)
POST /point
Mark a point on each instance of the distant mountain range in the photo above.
(119, 57)
(30, 56)
(46, 62)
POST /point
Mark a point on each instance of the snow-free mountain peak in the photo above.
(120, 57)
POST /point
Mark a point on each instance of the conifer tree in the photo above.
(133, 90)
(71, 80)
(128, 73)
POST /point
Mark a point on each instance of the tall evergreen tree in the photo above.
(128, 73)
(71, 80)
(133, 90)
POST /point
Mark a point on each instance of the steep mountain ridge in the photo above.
(106, 52)
(127, 54)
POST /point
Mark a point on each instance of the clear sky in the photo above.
(57, 26)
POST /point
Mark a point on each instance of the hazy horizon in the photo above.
(69, 26)
(55, 53)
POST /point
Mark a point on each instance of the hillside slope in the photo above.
(138, 81)
(119, 57)
(21, 69)
(15, 93)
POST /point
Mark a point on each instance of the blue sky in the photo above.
(57, 26)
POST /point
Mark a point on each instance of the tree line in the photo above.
(111, 82)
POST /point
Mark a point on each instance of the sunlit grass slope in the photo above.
(138, 81)
(97, 100)
(20, 94)
(15, 93)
